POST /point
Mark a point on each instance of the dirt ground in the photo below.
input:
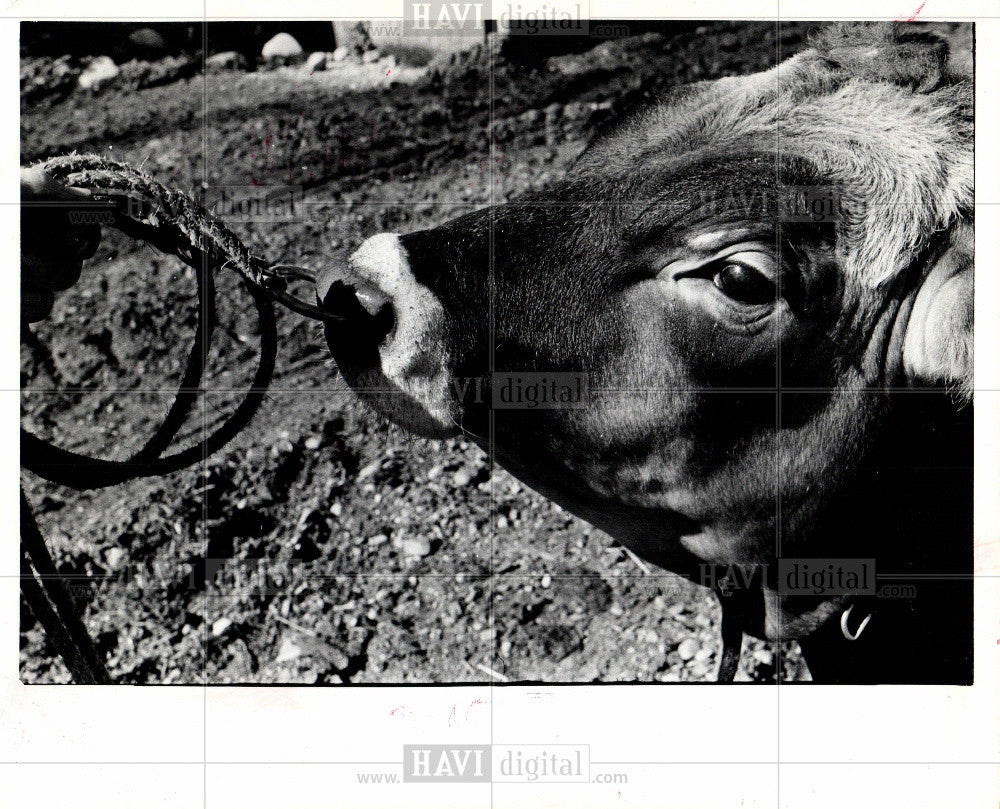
(324, 545)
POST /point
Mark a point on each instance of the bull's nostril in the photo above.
(364, 307)
(371, 298)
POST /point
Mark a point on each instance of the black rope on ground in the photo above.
(146, 210)
(83, 472)
(41, 582)
(175, 224)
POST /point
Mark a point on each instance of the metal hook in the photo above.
(843, 624)
(274, 280)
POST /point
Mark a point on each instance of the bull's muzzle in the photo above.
(390, 341)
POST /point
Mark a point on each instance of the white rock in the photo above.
(688, 648)
(415, 547)
(699, 668)
(341, 53)
(367, 471)
(226, 60)
(316, 61)
(371, 56)
(147, 38)
(288, 651)
(99, 72)
(281, 46)
(115, 557)
(220, 626)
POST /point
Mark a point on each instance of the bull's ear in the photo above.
(938, 345)
(883, 52)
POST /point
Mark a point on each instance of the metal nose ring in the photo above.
(845, 615)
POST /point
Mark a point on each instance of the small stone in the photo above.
(341, 53)
(415, 547)
(337, 509)
(220, 626)
(369, 57)
(316, 61)
(115, 557)
(704, 653)
(367, 471)
(546, 580)
(688, 648)
(288, 651)
(699, 669)
(226, 60)
(313, 442)
(501, 522)
(148, 40)
(462, 477)
(281, 46)
(531, 117)
(99, 72)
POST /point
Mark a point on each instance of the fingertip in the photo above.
(36, 183)
(76, 191)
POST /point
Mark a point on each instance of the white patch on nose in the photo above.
(414, 365)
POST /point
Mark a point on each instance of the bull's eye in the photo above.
(744, 284)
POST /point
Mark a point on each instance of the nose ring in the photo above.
(845, 615)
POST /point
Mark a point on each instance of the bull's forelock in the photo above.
(874, 109)
(898, 54)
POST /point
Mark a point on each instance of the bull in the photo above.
(767, 379)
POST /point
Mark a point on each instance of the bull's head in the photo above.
(766, 377)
